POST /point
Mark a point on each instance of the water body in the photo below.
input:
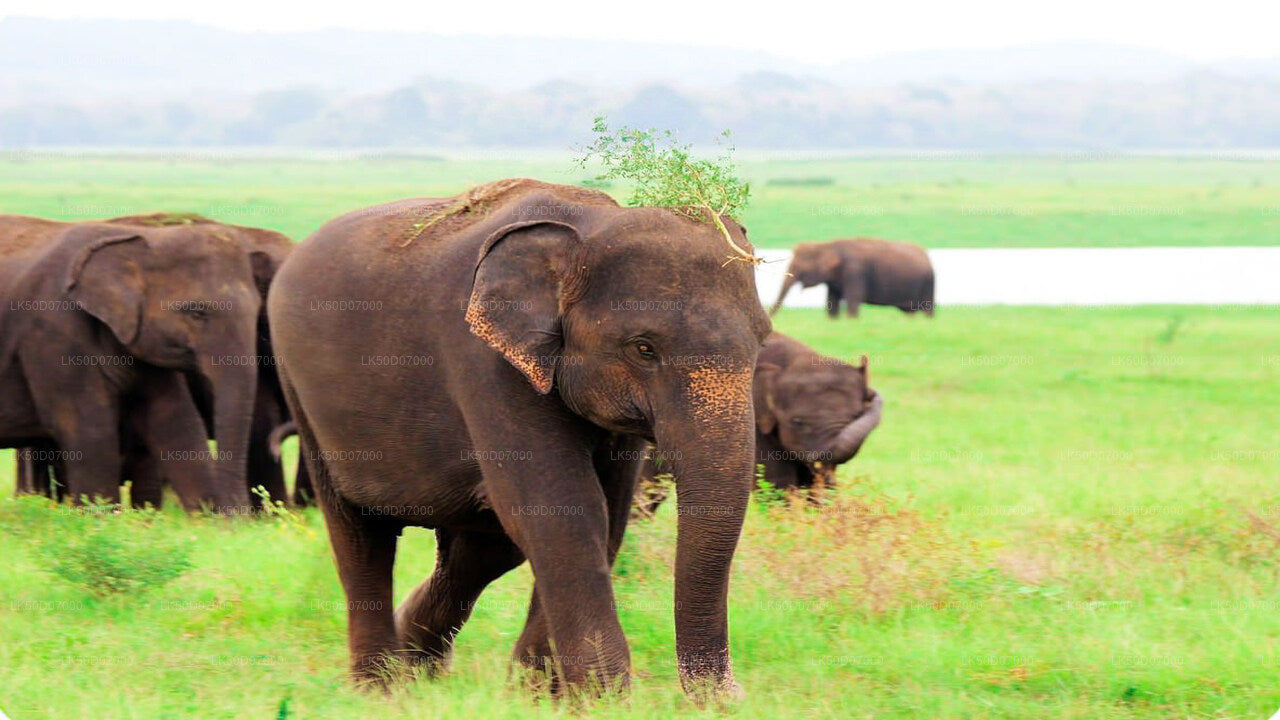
(1078, 276)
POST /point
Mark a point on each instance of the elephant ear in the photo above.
(831, 262)
(527, 274)
(763, 388)
(106, 280)
(267, 252)
(265, 265)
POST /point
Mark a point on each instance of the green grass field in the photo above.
(937, 201)
(1067, 512)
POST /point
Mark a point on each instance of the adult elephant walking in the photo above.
(98, 319)
(863, 270)
(488, 366)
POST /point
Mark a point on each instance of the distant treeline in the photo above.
(764, 110)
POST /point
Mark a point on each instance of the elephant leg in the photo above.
(618, 480)
(779, 467)
(173, 443)
(25, 474)
(855, 292)
(141, 468)
(93, 472)
(85, 427)
(365, 550)
(264, 470)
(834, 296)
(34, 474)
(782, 474)
(429, 619)
(146, 486)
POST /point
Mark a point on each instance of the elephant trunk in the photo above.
(851, 437)
(234, 379)
(714, 468)
(787, 284)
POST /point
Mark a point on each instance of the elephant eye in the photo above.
(797, 422)
(195, 312)
(645, 349)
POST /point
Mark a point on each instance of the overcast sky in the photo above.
(800, 29)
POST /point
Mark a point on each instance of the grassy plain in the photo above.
(1067, 513)
(937, 200)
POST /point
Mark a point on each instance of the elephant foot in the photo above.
(536, 674)
(706, 692)
(423, 661)
(379, 672)
(564, 678)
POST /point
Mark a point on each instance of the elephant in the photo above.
(863, 270)
(813, 414)
(267, 250)
(492, 364)
(101, 322)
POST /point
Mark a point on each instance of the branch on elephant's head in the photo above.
(667, 176)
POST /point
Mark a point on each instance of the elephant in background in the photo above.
(266, 249)
(863, 270)
(101, 321)
(813, 413)
(489, 366)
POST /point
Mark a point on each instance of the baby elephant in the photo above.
(813, 413)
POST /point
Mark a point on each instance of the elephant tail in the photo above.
(277, 436)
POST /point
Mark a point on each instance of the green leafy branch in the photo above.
(665, 174)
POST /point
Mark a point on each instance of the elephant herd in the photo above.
(494, 366)
(125, 344)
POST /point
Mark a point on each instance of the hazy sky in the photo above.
(809, 30)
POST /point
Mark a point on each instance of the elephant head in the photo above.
(182, 298)
(634, 317)
(811, 264)
(820, 408)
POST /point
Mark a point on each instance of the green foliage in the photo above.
(664, 173)
(766, 495)
(103, 549)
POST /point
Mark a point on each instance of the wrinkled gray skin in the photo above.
(863, 270)
(98, 320)
(546, 314)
